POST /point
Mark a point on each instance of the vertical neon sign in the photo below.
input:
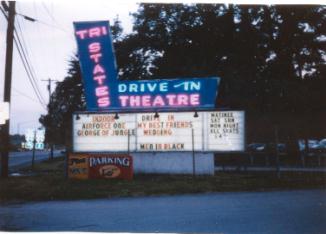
(104, 91)
(97, 62)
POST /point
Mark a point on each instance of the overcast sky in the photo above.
(50, 43)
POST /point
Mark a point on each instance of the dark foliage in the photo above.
(271, 60)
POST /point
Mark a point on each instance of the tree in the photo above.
(270, 58)
(67, 98)
(264, 54)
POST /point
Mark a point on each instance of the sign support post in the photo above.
(276, 154)
(193, 153)
(128, 142)
(34, 142)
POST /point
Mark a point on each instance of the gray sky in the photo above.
(50, 44)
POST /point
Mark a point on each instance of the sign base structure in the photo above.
(100, 166)
(173, 163)
(166, 143)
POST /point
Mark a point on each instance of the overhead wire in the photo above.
(41, 22)
(25, 42)
(58, 25)
(3, 12)
(23, 39)
(26, 64)
(41, 39)
(52, 34)
(25, 54)
(32, 78)
(21, 46)
(25, 95)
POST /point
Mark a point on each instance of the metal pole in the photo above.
(51, 130)
(128, 142)
(251, 156)
(51, 142)
(266, 160)
(305, 152)
(7, 88)
(34, 142)
(193, 153)
(66, 167)
(276, 154)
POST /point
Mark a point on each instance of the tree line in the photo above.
(271, 60)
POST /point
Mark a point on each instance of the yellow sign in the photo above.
(78, 166)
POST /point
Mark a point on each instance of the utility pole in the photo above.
(49, 86)
(50, 130)
(193, 153)
(7, 86)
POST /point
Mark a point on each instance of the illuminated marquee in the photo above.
(171, 131)
(104, 91)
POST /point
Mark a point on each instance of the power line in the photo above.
(27, 59)
(25, 95)
(53, 18)
(54, 45)
(47, 24)
(28, 75)
(55, 26)
(4, 13)
(30, 69)
(25, 53)
(32, 19)
(20, 21)
(26, 65)
(28, 72)
(49, 86)
(21, 33)
(41, 22)
(41, 39)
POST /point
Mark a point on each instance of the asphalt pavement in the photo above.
(22, 159)
(300, 211)
(270, 169)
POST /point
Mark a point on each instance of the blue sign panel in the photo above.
(105, 92)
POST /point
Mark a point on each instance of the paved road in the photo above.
(20, 159)
(302, 211)
(268, 168)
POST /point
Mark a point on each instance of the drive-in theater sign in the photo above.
(171, 131)
(106, 95)
(105, 92)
